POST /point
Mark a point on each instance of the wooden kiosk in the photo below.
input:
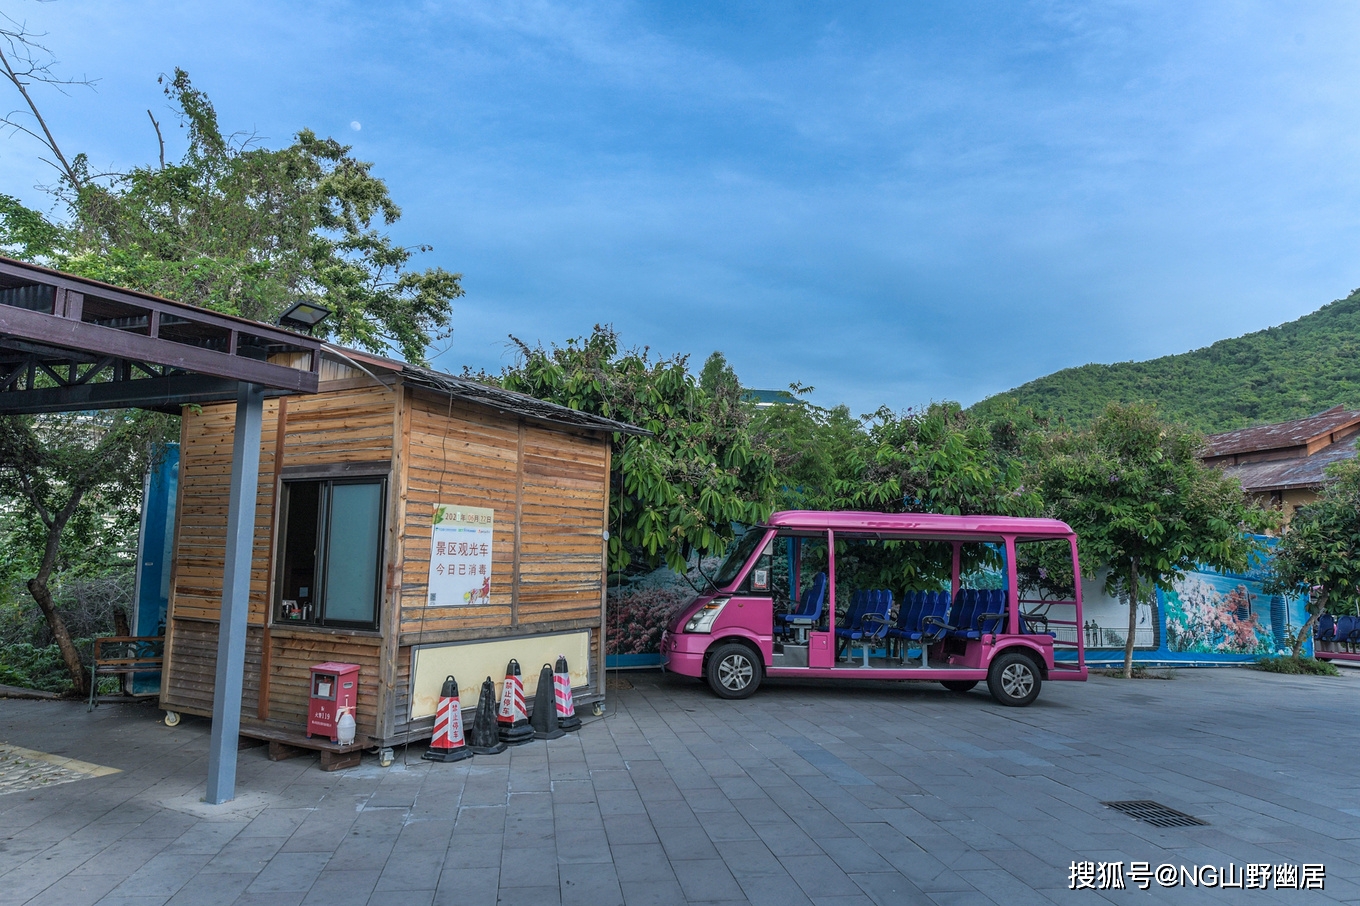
(350, 564)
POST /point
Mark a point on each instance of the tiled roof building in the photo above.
(1284, 464)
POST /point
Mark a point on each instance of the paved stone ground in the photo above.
(802, 794)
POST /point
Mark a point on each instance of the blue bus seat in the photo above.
(809, 610)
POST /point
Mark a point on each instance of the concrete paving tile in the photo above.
(889, 888)
(360, 852)
(577, 845)
(686, 843)
(289, 872)
(411, 871)
(474, 851)
(217, 889)
(626, 829)
(467, 887)
(67, 891)
(653, 893)
(529, 868)
(706, 879)
(245, 855)
(529, 896)
(162, 875)
(585, 884)
(641, 862)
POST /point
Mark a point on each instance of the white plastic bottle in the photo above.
(344, 728)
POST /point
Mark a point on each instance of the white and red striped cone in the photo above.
(513, 719)
(448, 743)
(566, 711)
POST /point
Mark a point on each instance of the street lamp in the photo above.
(303, 316)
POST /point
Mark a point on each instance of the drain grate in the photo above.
(1154, 813)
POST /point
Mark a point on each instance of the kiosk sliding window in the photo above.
(330, 553)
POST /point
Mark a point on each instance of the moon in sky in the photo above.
(356, 125)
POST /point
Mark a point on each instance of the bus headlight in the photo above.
(702, 621)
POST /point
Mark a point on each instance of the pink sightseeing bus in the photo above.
(845, 595)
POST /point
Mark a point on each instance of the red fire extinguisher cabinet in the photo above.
(335, 689)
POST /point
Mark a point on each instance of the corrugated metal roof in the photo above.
(480, 394)
(1284, 474)
(1283, 435)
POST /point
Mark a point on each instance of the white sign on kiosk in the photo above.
(460, 556)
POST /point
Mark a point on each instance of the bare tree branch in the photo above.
(22, 69)
(160, 138)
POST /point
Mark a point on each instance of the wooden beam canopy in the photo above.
(67, 343)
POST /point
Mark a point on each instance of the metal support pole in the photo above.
(231, 632)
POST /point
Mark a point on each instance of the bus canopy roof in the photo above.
(931, 525)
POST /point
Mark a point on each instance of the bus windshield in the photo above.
(738, 556)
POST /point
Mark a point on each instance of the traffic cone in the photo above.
(512, 717)
(544, 718)
(448, 743)
(484, 739)
(566, 711)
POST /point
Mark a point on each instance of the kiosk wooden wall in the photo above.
(547, 484)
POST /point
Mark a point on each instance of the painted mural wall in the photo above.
(1209, 617)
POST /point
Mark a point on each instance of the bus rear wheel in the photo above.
(733, 671)
(1013, 679)
(959, 685)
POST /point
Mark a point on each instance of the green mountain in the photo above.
(1284, 372)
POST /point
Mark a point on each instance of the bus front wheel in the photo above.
(1013, 679)
(733, 671)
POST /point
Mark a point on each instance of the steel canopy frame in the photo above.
(71, 344)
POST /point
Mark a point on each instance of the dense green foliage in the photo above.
(1285, 372)
(72, 485)
(1144, 505)
(1320, 554)
(681, 489)
(244, 230)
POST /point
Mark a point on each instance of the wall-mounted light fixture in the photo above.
(303, 316)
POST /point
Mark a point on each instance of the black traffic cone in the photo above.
(544, 719)
(484, 739)
(512, 717)
(448, 743)
(566, 711)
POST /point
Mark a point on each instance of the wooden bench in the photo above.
(124, 655)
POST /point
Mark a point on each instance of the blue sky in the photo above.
(892, 202)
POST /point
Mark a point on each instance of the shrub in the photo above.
(34, 667)
(1296, 666)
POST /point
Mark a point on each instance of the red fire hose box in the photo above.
(335, 689)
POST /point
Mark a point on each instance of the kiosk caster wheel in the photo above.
(597, 709)
(385, 757)
(172, 718)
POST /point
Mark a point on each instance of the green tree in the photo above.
(1319, 554)
(933, 460)
(679, 490)
(809, 444)
(74, 479)
(717, 378)
(1144, 506)
(235, 227)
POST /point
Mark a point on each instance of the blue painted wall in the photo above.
(155, 550)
